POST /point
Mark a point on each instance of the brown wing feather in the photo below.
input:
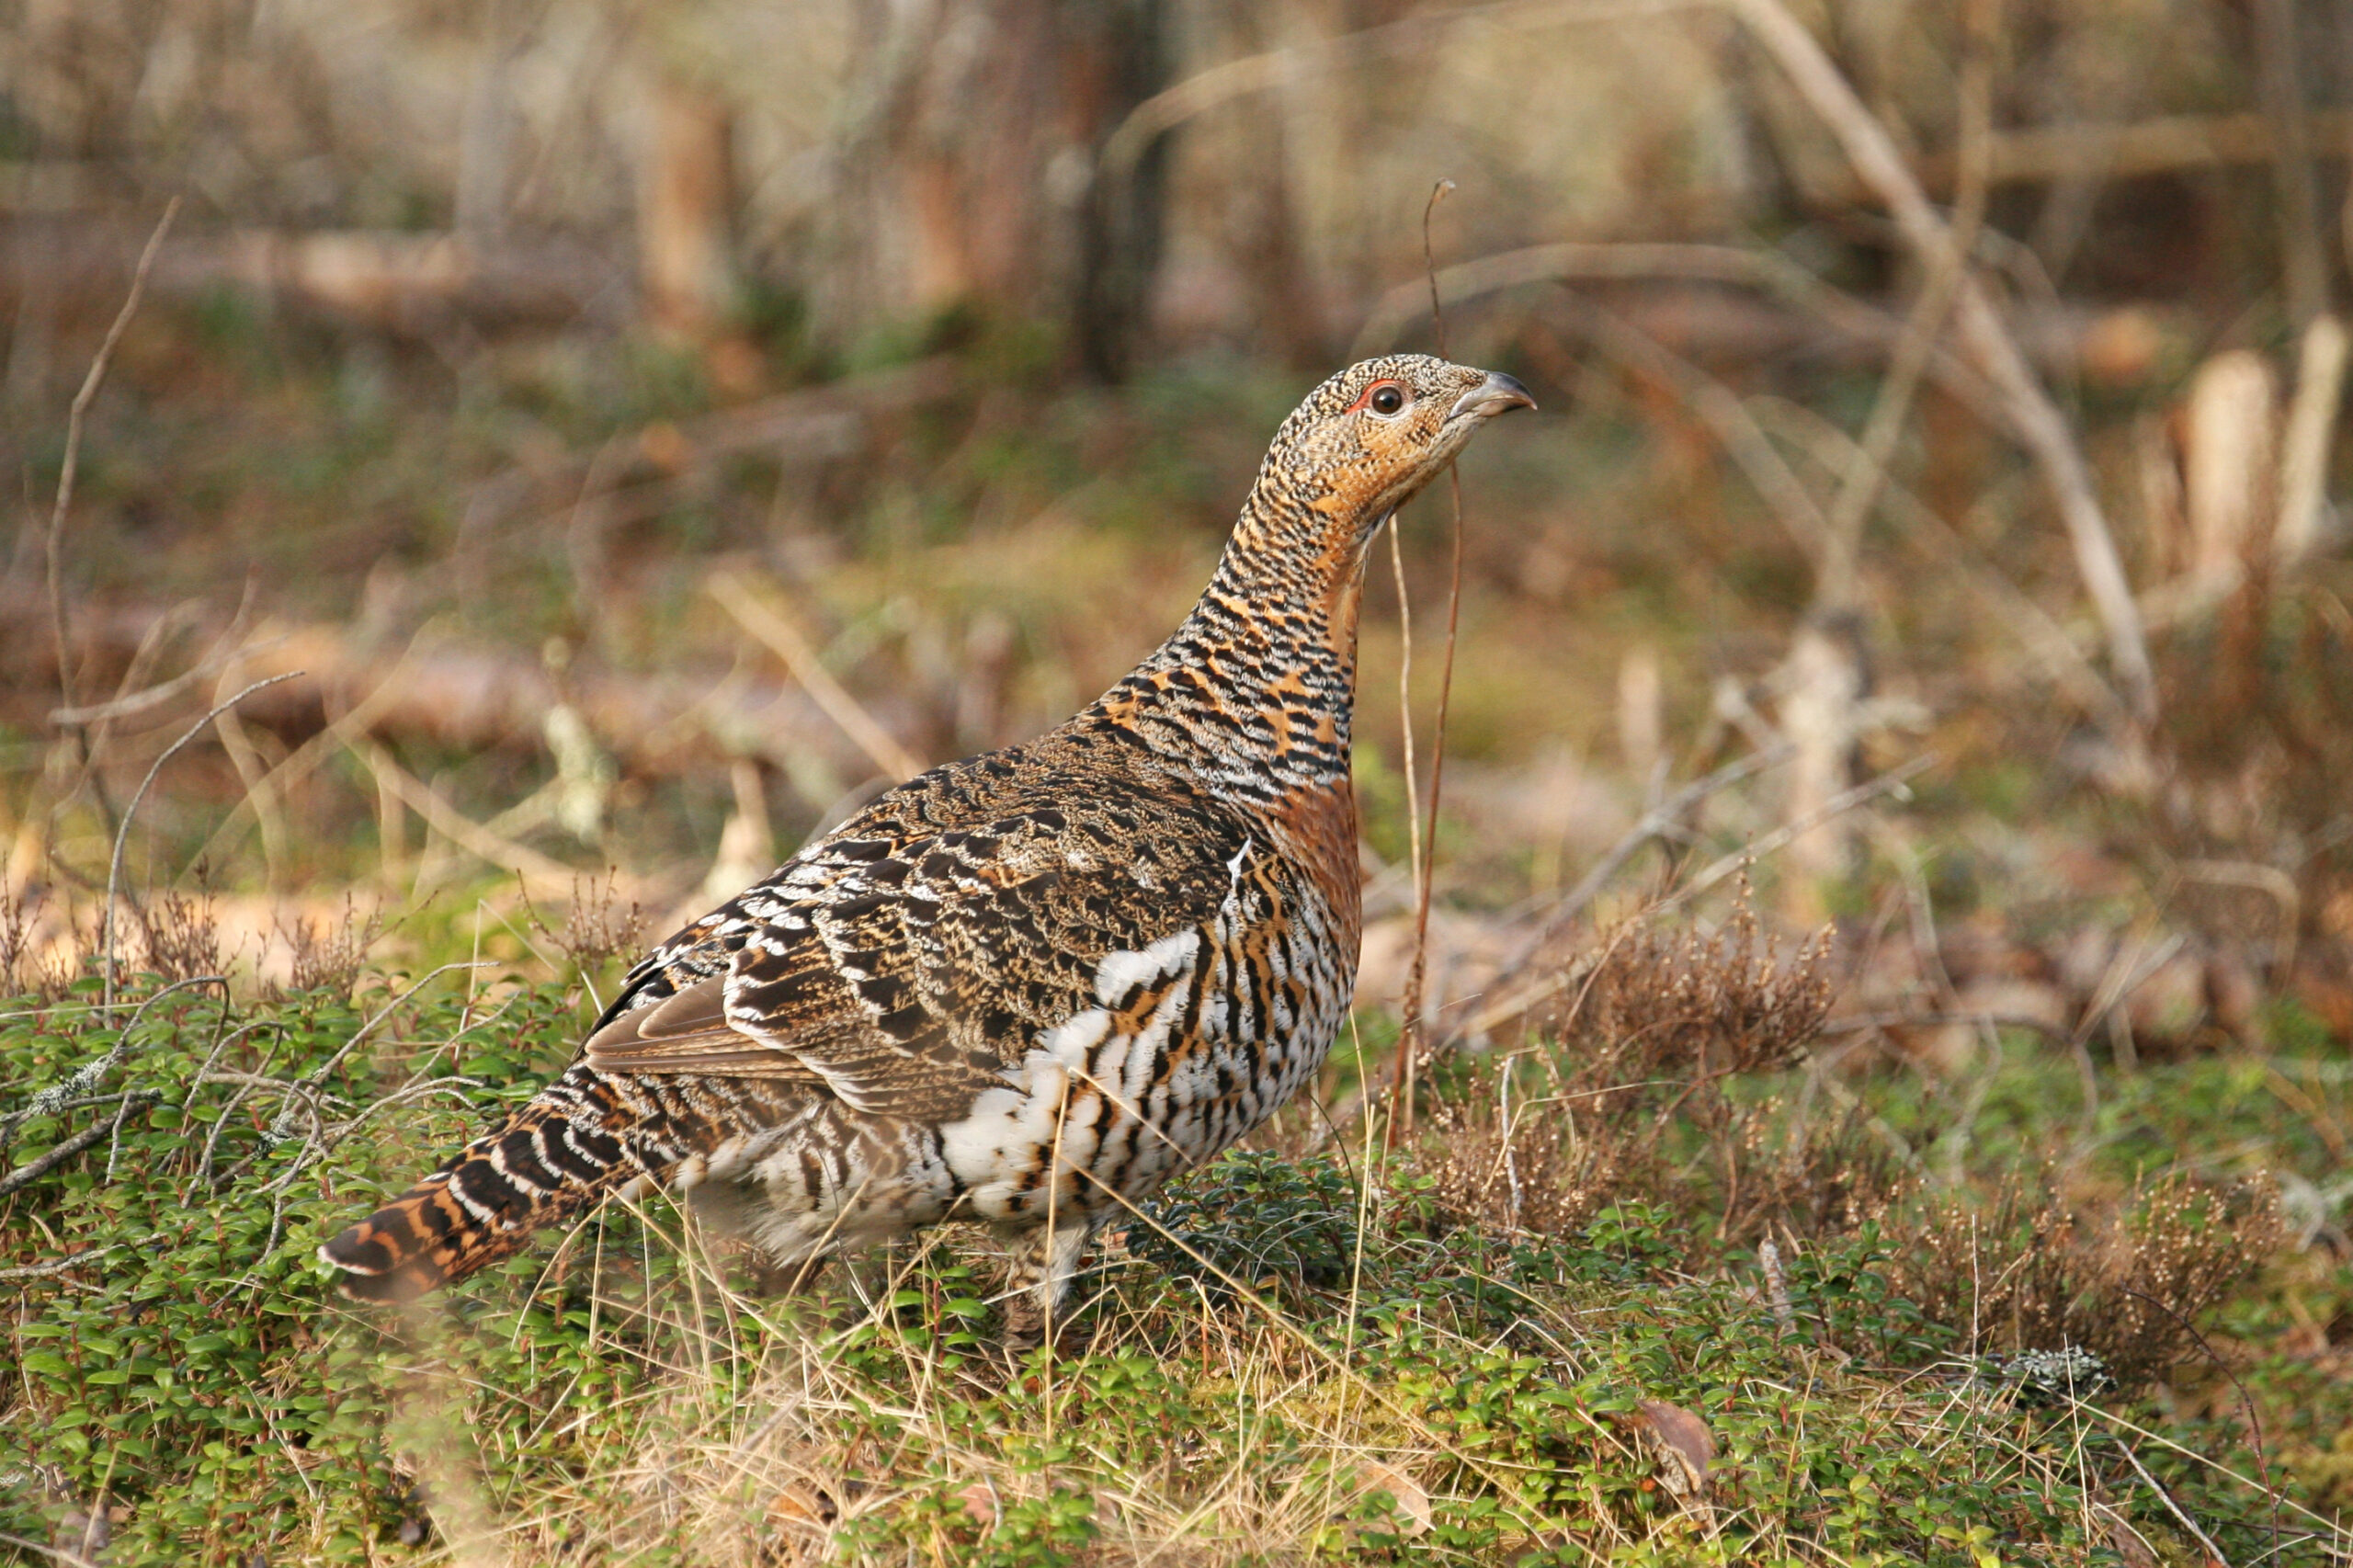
(929, 962)
(687, 1033)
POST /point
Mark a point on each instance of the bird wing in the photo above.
(908, 970)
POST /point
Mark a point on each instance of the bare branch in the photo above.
(1413, 35)
(1892, 782)
(1721, 409)
(1410, 1036)
(60, 1264)
(139, 702)
(122, 833)
(1858, 488)
(1888, 783)
(549, 873)
(785, 641)
(1660, 819)
(2033, 418)
(33, 1170)
(82, 401)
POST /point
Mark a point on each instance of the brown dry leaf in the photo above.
(2128, 1542)
(980, 1501)
(1681, 1442)
(800, 1515)
(1413, 1503)
(798, 1503)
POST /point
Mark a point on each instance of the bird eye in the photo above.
(1387, 400)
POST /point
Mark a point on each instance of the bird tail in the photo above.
(556, 1157)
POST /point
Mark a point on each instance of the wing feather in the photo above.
(907, 971)
(687, 1032)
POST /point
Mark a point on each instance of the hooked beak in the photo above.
(1498, 393)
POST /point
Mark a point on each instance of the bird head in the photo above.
(1366, 442)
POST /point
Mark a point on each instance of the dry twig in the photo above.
(1410, 1033)
(1170, 108)
(82, 401)
(1858, 488)
(1659, 820)
(785, 641)
(550, 875)
(1727, 418)
(122, 833)
(2033, 416)
(1889, 783)
(34, 1169)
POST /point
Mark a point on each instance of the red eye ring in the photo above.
(1387, 405)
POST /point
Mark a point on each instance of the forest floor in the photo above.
(2005, 1222)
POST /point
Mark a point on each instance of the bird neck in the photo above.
(1255, 690)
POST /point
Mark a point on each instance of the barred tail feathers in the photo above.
(557, 1156)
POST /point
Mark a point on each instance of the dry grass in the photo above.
(1466, 1350)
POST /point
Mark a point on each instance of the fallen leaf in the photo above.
(801, 1504)
(1681, 1443)
(980, 1501)
(1412, 1502)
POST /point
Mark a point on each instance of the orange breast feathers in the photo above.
(1317, 827)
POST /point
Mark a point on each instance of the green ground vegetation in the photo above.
(1493, 1342)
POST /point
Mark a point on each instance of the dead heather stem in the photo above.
(1633, 1074)
(328, 954)
(1411, 1032)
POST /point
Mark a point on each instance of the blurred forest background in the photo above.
(638, 430)
(560, 387)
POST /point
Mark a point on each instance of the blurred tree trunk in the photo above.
(686, 208)
(966, 169)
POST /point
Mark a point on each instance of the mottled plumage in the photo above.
(1023, 984)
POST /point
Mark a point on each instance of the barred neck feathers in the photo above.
(1255, 691)
(1253, 694)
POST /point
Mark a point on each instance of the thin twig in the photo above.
(15, 1119)
(64, 1094)
(75, 1559)
(1865, 1021)
(784, 640)
(2246, 1401)
(2043, 637)
(1858, 489)
(33, 1170)
(138, 702)
(279, 781)
(82, 401)
(1406, 712)
(463, 830)
(1413, 35)
(1410, 1032)
(122, 833)
(1614, 261)
(60, 1264)
(1660, 819)
(318, 1074)
(1890, 782)
(2212, 1552)
(2033, 418)
(1727, 418)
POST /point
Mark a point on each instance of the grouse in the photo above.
(1027, 987)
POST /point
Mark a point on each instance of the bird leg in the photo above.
(1041, 1264)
